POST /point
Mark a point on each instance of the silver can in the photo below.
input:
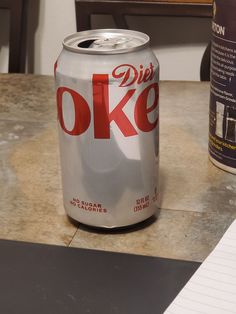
(107, 101)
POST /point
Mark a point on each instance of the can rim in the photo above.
(77, 37)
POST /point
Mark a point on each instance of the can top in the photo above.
(106, 41)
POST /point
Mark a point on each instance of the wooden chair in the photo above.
(17, 38)
(120, 8)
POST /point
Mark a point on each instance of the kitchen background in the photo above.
(179, 43)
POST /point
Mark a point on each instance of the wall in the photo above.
(4, 31)
(178, 42)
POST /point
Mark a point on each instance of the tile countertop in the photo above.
(198, 200)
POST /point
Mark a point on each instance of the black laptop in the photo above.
(46, 279)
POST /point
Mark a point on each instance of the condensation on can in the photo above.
(222, 119)
(108, 123)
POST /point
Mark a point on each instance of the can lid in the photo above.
(106, 41)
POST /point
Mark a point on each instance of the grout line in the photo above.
(182, 210)
(73, 236)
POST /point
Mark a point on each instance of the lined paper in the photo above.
(212, 289)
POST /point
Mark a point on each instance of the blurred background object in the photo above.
(15, 19)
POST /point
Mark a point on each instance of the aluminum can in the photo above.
(107, 100)
(222, 131)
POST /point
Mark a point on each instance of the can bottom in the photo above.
(222, 166)
(140, 223)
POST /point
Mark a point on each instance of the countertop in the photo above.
(198, 200)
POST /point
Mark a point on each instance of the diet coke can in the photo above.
(107, 100)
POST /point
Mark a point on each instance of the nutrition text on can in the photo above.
(107, 101)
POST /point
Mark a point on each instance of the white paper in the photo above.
(212, 289)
